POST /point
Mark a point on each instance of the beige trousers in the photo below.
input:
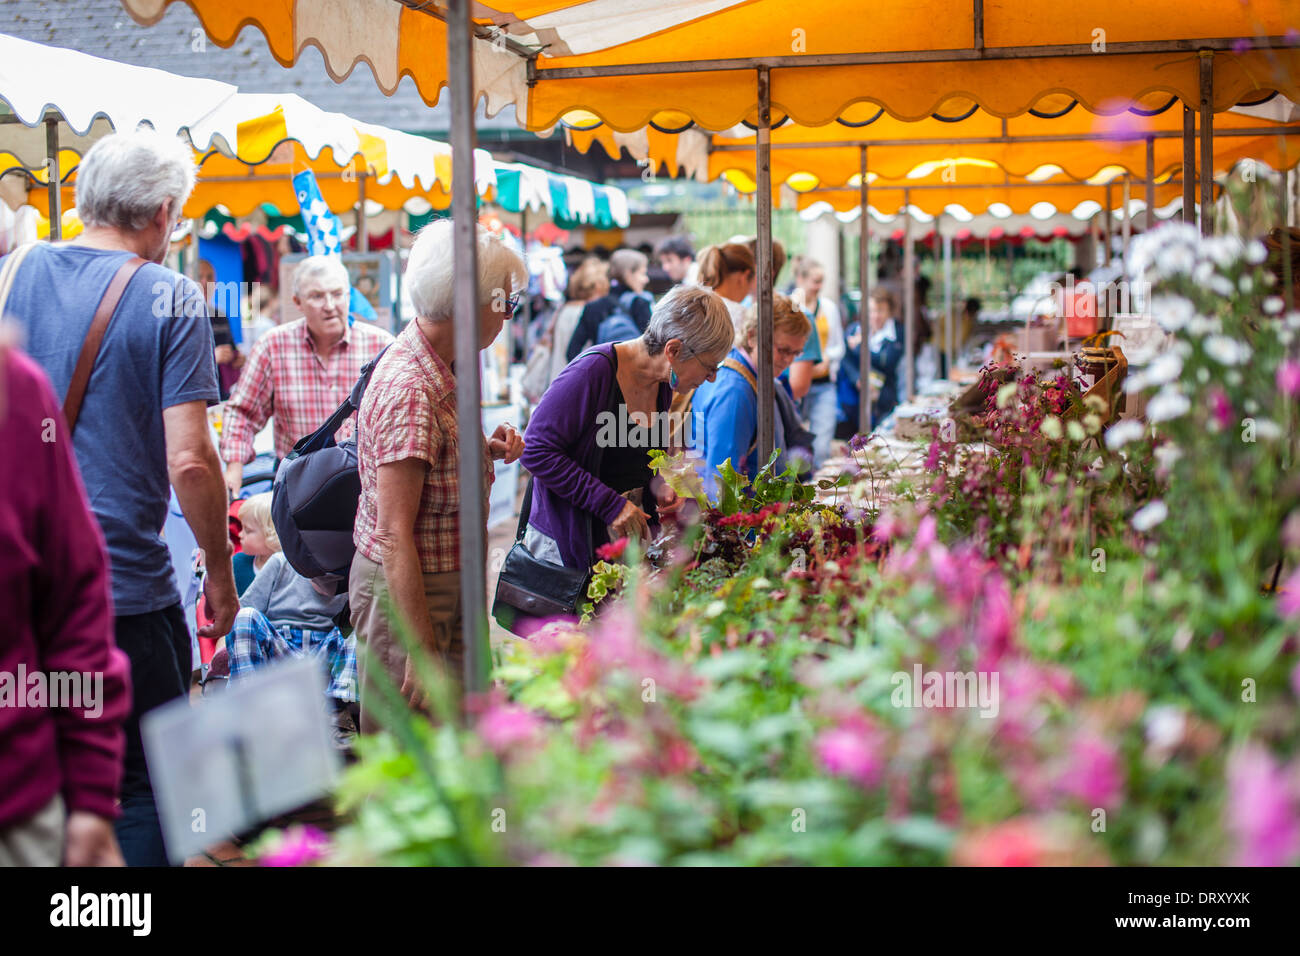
(377, 641)
(38, 840)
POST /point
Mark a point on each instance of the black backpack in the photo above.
(314, 498)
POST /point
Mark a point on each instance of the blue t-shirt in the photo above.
(726, 422)
(158, 352)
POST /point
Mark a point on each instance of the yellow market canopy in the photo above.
(1078, 144)
(628, 62)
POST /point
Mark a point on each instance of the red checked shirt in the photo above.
(409, 411)
(286, 378)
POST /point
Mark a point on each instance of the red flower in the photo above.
(612, 551)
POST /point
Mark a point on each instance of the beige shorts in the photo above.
(377, 642)
(38, 840)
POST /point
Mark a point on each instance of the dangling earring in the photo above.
(672, 378)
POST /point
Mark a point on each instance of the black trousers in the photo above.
(158, 646)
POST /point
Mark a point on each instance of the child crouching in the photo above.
(284, 614)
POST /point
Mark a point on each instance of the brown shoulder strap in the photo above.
(90, 348)
(745, 373)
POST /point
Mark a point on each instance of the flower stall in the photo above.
(1047, 637)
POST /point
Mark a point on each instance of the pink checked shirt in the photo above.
(410, 412)
(285, 378)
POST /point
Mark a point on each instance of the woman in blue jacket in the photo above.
(726, 409)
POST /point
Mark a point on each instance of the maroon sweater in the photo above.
(56, 616)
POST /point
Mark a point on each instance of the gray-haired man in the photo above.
(143, 420)
(299, 373)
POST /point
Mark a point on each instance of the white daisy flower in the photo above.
(1165, 369)
(1273, 305)
(1267, 429)
(1173, 312)
(1226, 351)
(1123, 432)
(1167, 404)
(1200, 325)
(1256, 252)
(1220, 285)
(1150, 515)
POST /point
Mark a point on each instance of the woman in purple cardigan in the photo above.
(588, 443)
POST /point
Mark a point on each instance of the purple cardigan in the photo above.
(560, 453)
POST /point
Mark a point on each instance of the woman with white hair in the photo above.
(407, 529)
(590, 437)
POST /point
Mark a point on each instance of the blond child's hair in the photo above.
(257, 510)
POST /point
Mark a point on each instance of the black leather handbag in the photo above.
(530, 587)
(530, 590)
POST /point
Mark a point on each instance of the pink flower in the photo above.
(1221, 407)
(1288, 378)
(612, 551)
(1288, 600)
(1094, 776)
(932, 459)
(298, 846)
(506, 726)
(851, 750)
(1261, 813)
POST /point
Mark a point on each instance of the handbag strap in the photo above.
(323, 436)
(94, 336)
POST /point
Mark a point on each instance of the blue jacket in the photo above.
(725, 413)
(887, 360)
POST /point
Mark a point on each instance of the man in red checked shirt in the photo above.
(301, 372)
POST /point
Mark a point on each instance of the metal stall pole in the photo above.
(766, 396)
(1151, 184)
(909, 298)
(947, 300)
(192, 260)
(1108, 220)
(52, 171)
(363, 235)
(864, 309)
(473, 555)
(1207, 143)
(1189, 165)
(1126, 226)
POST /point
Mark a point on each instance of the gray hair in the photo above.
(320, 270)
(695, 315)
(430, 271)
(125, 177)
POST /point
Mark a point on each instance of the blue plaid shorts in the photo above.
(256, 640)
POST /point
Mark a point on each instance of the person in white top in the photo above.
(814, 381)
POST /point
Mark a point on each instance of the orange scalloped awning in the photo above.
(396, 40)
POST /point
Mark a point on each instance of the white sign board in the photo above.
(235, 759)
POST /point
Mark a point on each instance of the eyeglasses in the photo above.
(513, 303)
(711, 369)
(319, 296)
(790, 354)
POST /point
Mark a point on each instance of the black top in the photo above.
(626, 465)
